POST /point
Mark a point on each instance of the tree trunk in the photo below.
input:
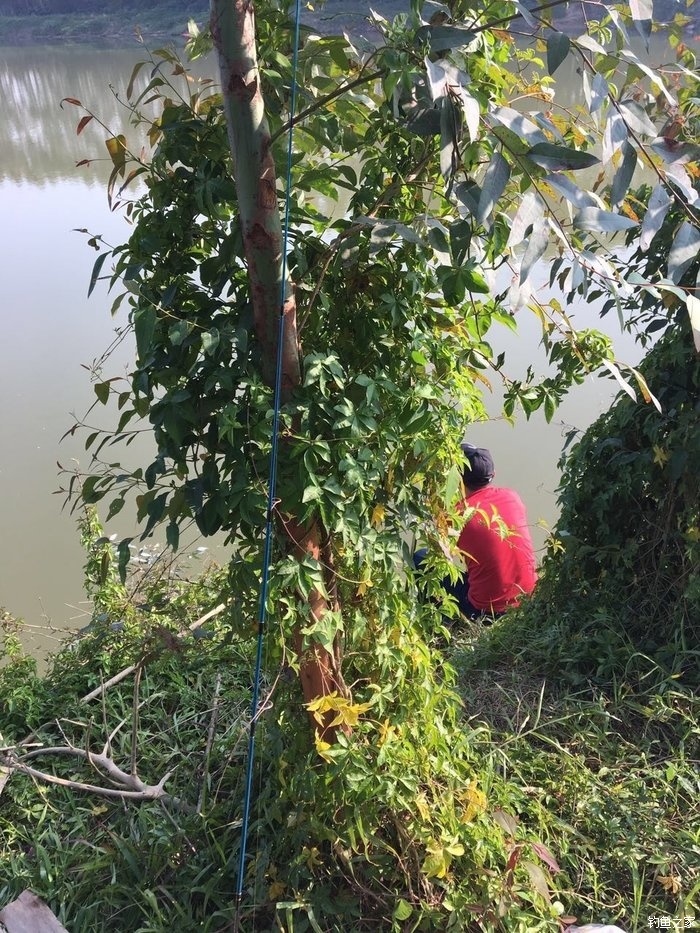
(233, 31)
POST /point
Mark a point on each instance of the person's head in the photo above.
(478, 468)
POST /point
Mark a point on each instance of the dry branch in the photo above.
(122, 675)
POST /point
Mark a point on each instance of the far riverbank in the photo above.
(112, 28)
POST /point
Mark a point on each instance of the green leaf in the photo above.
(172, 535)
(96, 269)
(560, 158)
(115, 506)
(474, 280)
(124, 556)
(144, 328)
(402, 911)
(443, 38)
(134, 74)
(623, 176)
(536, 245)
(642, 14)
(102, 391)
(558, 45)
(210, 341)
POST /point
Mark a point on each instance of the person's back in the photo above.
(497, 548)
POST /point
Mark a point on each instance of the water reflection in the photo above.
(39, 141)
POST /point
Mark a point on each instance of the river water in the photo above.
(51, 332)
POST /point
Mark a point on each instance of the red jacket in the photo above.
(497, 548)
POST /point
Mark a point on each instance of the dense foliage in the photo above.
(621, 594)
(422, 201)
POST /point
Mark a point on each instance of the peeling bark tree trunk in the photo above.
(233, 31)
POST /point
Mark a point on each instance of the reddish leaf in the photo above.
(83, 123)
(513, 858)
(83, 162)
(546, 856)
(71, 100)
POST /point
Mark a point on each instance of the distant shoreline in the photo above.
(162, 21)
(166, 21)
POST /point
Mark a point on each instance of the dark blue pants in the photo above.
(458, 590)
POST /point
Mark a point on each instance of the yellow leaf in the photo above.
(386, 731)
(378, 515)
(364, 586)
(116, 146)
(626, 209)
(422, 805)
(661, 456)
(322, 748)
(276, 890)
(474, 801)
(349, 713)
(670, 883)
(437, 861)
(311, 856)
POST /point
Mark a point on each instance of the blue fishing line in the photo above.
(269, 525)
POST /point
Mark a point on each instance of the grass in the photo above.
(585, 794)
(609, 775)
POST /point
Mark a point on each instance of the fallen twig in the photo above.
(210, 742)
(132, 787)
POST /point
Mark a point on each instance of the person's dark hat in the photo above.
(480, 470)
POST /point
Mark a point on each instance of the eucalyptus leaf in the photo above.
(495, 181)
(519, 124)
(693, 306)
(677, 174)
(444, 38)
(558, 45)
(599, 92)
(96, 269)
(599, 221)
(684, 250)
(537, 244)
(672, 151)
(571, 191)
(472, 113)
(529, 213)
(588, 42)
(653, 76)
(637, 118)
(659, 203)
(560, 158)
(437, 79)
(144, 328)
(642, 13)
(614, 136)
(624, 174)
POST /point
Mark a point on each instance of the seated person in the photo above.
(495, 543)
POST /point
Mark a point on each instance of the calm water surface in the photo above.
(51, 331)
